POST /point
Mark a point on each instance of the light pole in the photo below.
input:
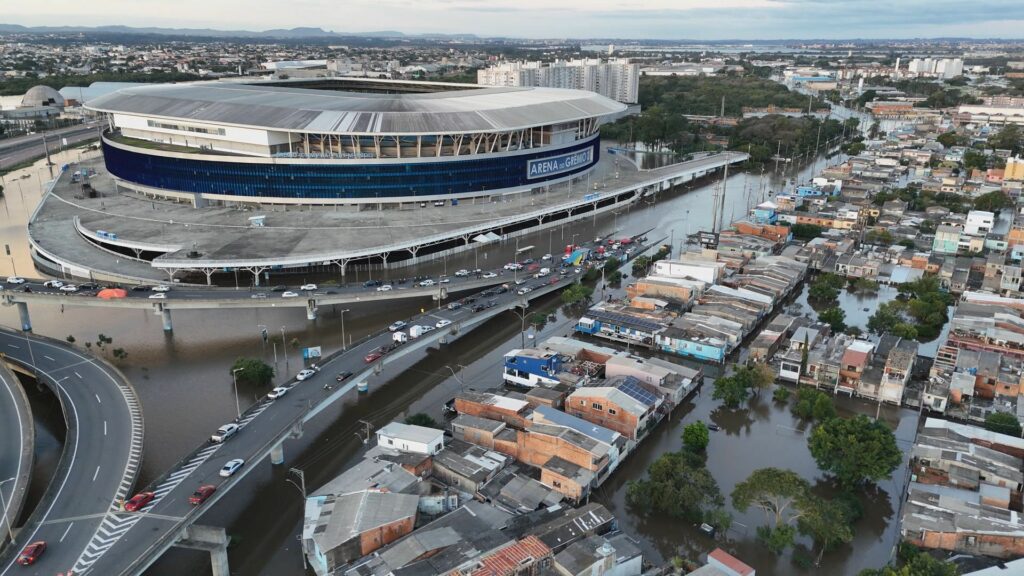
(344, 342)
(460, 380)
(3, 504)
(234, 383)
(522, 317)
(284, 350)
(301, 486)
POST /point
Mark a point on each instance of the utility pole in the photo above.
(302, 489)
(344, 344)
(284, 350)
(368, 429)
(46, 149)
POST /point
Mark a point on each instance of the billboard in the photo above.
(552, 165)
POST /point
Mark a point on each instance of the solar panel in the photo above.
(624, 320)
(631, 387)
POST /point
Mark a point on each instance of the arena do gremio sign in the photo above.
(558, 164)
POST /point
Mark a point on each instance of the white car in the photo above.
(398, 325)
(231, 467)
(308, 287)
(289, 294)
(489, 275)
(462, 273)
(69, 288)
(15, 280)
(224, 432)
(277, 392)
(427, 282)
(161, 288)
(384, 288)
(53, 284)
(546, 257)
(577, 270)
(443, 323)
(524, 290)
(304, 374)
(444, 280)
(520, 281)
(157, 296)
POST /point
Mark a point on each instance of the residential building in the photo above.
(600, 556)
(617, 79)
(410, 438)
(611, 408)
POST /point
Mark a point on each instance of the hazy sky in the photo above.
(696, 19)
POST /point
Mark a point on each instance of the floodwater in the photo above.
(184, 384)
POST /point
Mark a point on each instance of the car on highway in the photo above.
(258, 295)
(53, 284)
(304, 374)
(31, 553)
(444, 280)
(524, 290)
(69, 288)
(396, 326)
(224, 432)
(231, 467)
(279, 288)
(519, 281)
(308, 287)
(427, 282)
(384, 288)
(201, 494)
(442, 323)
(139, 501)
(489, 275)
(342, 376)
(462, 273)
(546, 257)
(140, 288)
(161, 288)
(156, 296)
(371, 283)
(277, 392)
(289, 294)
(527, 262)
(374, 355)
(15, 280)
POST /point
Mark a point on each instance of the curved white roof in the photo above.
(262, 106)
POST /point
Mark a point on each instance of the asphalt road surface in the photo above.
(100, 459)
(24, 148)
(16, 449)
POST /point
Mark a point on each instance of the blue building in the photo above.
(530, 367)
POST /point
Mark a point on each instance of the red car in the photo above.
(201, 494)
(374, 356)
(139, 501)
(31, 553)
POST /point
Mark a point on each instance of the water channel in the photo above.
(185, 387)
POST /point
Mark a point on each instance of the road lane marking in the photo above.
(50, 358)
(79, 375)
(104, 427)
(66, 532)
(98, 398)
(95, 474)
(13, 346)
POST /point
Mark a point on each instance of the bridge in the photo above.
(17, 441)
(78, 513)
(265, 428)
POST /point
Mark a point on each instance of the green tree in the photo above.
(822, 293)
(696, 437)
(826, 522)
(641, 265)
(855, 450)
(915, 563)
(993, 201)
(422, 419)
(806, 231)
(1003, 423)
(1008, 138)
(813, 404)
(576, 293)
(974, 160)
(878, 237)
(834, 317)
(780, 494)
(677, 485)
(732, 391)
(948, 139)
(776, 539)
(252, 371)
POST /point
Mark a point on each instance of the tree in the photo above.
(422, 419)
(834, 317)
(826, 522)
(948, 139)
(252, 371)
(822, 293)
(1003, 423)
(855, 450)
(641, 265)
(1009, 138)
(813, 404)
(915, 563)
(993, 201)
(780, 494)
(974, 160)
(678, 486)
(696, 437)
(576, 293)
(806, 231)
(731, 390)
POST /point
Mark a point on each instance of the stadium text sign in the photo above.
(558, 164)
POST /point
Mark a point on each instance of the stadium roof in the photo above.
(293, 108)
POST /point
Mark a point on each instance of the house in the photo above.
(947, 240)
(946, 522)
(611, 408)
(979, 223)
(531, 367)
(410, 438)
(467, 466)
(600, 556)
(897, 370)
(542, 443)
(854, 363)
(615, 442)
(476, 430)
(340, 529)
(527, 557)
(511, 411)
(671, 381)
(721, 563)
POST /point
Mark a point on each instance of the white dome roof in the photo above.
(42, 96)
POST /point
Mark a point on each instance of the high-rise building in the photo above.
(617, 79)
(942, 68)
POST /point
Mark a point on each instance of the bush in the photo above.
(421, 419)
(781, 394)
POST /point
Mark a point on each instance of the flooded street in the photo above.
(184, 384)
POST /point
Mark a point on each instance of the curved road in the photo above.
(17, 442)
(101, 455)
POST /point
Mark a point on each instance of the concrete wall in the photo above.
(536, 449)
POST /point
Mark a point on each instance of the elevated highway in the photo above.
(17, 441)
(101, 455)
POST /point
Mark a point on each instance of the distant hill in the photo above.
(277, 33)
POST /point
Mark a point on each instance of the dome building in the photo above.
(39, 96)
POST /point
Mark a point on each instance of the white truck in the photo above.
(419, 330)
(400, 337)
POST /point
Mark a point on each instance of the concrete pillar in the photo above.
(168, 327)
(209, 538)
(277, 454)
(311, 309)
(219, 562)
(26, 322)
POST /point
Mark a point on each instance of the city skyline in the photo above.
(633, 19)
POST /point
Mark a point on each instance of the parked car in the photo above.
(426, 283)
(15, 280)
(201, 494)
(308, 287)
(384, 288)
(289, 294)
(69, 288)
(489, 275)
(139, 501)
(397, 325)
(304, 374)
(161, 288)
(155, 296)
(277, 392)
(231, 467)
(31, 553)
(442, 323)
(224, 432)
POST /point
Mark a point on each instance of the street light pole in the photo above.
(234, 383)
(302, 489)
(284, 350)
(3, 504)
(344, 342)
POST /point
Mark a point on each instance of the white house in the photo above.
(409, 438)
(979, 223)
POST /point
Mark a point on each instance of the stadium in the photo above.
(347, 141)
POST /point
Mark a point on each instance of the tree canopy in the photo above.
(252, 371)
(855, 450)
(678, 485)
(780, 494)
(1003, 423)
(696, 437)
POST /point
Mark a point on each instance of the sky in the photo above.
(664, 19)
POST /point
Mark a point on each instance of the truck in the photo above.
(543, 272)
(400, 337)
(417, 331)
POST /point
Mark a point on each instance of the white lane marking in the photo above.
(13, 346)
(98, 398)
(104, 427)
(64, 535)
(50, 358)
(95, 474)
(79, 375)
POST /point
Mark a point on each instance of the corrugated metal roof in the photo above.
(309, 110)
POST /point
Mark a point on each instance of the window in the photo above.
(583, 402)
(391, 442)
(556, 483)
(597, 406)
(612, 411)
